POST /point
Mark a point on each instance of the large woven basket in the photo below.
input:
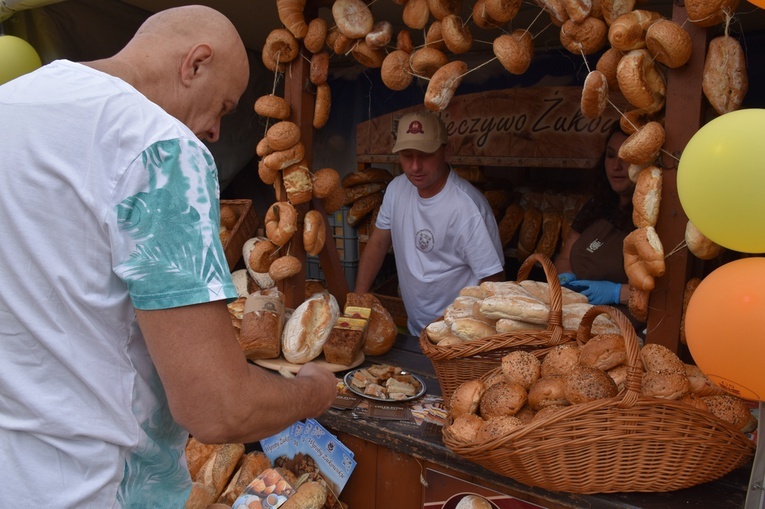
(455, 364)
(246, 224)
(621, 444)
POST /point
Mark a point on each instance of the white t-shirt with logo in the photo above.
(107, 204)
(441, 244)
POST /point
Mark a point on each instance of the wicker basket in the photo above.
(246, 224)
(455, 364)
(621, 444)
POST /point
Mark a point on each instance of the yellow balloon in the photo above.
(720, 180)
(17, 57)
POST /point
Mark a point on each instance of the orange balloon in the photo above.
(725, 327)
(758, 3)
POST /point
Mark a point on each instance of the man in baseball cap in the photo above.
(442, 229)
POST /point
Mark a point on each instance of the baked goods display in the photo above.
(364, 192)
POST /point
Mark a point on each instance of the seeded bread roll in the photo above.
(521, 367)
(604, 351)
(729, 409)
(586, 384)
(638, 303)
(646, 198)
(548, 390)
(466, 398)
(325, 180)
(496, 427)
(561, 360)
(658, 357)
(503, 398)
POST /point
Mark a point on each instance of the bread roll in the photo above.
(314, 232)
(607, 64)
(282, 135)
(639, 80)
(585, 38)
(725, 81)
(368, 56)
(521, 367)
(658, 357)
(325, 180)
(646, 198)
(279, 47)
(700, 384)
(466, 398)
(628, 31)
(380, 35)
(547, 391)
(416, 14)
(281, 159)
(699, 245)
(322, 106)
(319, 68)
(272, 106)
(298, 183)
(604, 351)
(643, 146)
(496, 427)
(438, 330)
(664, 384)
(316, 35)
(503, 398)
(502, 11)
(443, 85)
(669, 43)
(529, 234)
(284, 267)
(612, 9)
(481, 17)
(291, 15)
(561, 360)
(353, 18)
(638, 303)
(509, 326)
(619, 375)
(307, 329)
(395, 72)
(586, 384)
(262, 323)
(643, 258)
(381, 331)
(404, 41)
(578, 10)
(334, 200)
(259, 253)
(426, 61)
(557, 11)
(465, 427)
(280, 222)
(594, 94)
(456, 34)
(546, 412)
(707, 13)
(527, 309)
(218, 468)
(572, 317)
(468, 329)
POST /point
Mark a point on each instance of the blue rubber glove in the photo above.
(566, 277)
(597, 292)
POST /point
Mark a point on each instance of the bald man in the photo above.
(115, 338)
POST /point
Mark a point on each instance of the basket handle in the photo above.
(634, 364)
(556, 295)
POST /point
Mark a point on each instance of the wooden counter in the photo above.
(392, 458)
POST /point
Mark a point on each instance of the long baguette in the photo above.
(357, 192)
(367, 176)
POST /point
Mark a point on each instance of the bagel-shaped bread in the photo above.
(643, 258)
(443, 84)
(404, 41)
(280, 222)
(291, 15)
(319, 68)
(442, 8)
(394, 71)
(283, 135)
(322, 106)
(502, 11)
(699, 244)
(262, 253)
(707, 13)
(607, 64)
(416, 14)
(298, 182)
(367, 55)
(271, 64)
(280, 159)
(314, 232)
(380, 35)
(639, 80)
(646, 198)
(457, 36)
(585, 38)
(643, 146)
(669, 43)
(628, 31)
(281, 45)
(426, 61)
(353, 18)
(511, 53)
(324, 181)
(272, 106)
(594, 94)
(316, 35)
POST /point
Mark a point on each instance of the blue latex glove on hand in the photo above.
(566, 277)
(597, 292)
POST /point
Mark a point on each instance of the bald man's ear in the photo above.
(196, 59)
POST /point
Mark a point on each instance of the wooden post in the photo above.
(683, 117)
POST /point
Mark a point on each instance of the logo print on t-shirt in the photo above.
(594, 245)
(424, 241)
(415, 127)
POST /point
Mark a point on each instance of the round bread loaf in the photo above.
(512, 53)
(481, 17)
(316, 35)
(456, 34)
(466, 398)
(280, 222)
(272, 106)
(283, 135)
(353, 18)
(426, 61)
(281, 46)
(561, 360)
(633, 120)
(438, 330)
(640, 82)
(324, 181)
(586, 384)
(643, 146)
(395, 72)
(307, 329)
(548, 411)
(699, 245)
(707, 13)
(521, 367)
(281, 159)
(434, 38)
(443, 85)
(578, 10)
(368, 56)
(284, 267)
(496, 427)
(465, 427)
(416, 14)
(594, 94)
(546, 391)
(503, 398)
(380, 35)
(585, 38)
(442, 8)
(669, 43)
(604, 351)
(664, 384)
(646, 198)
(314, 232)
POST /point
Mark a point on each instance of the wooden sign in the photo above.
(520, 127)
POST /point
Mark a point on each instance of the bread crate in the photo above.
(246, 223)
(346, 237)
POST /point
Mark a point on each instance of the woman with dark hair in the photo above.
(591, 260)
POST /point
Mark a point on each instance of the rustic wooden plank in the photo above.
(683, 117)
